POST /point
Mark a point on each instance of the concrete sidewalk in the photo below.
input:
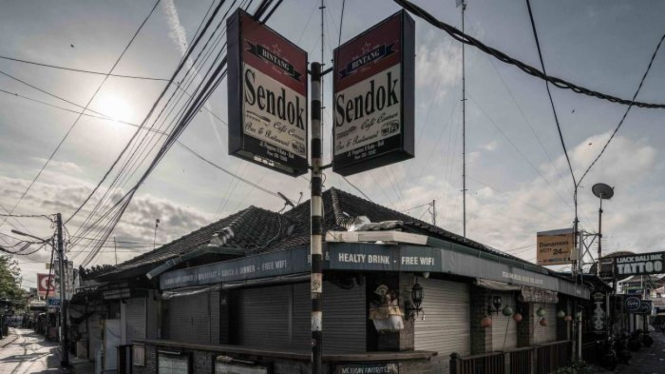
(646, 360)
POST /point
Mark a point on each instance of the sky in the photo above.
(518, 181)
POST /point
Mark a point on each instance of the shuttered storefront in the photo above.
(504, 328)
(446, 328)
(545, 334)
(278, 317)
(191, 318)
(135, 319)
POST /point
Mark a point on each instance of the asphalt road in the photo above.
(29, 353)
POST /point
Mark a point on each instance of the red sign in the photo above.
(45, 282)
(267, 90)
(374, 97)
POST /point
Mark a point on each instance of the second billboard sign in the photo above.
(373, 104)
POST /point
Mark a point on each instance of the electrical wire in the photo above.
(623, 118)
(549, 94)
(357, 189)
(80, 70)
(341, 22)
(501, 56)
(57, 148)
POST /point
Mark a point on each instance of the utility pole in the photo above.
(154, 240)
(434, 212)
(115, 249)
(463, 131)
(316, 238)
(64, 359)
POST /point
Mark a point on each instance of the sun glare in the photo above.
(115, 107)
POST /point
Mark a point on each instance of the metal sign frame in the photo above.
(267, 97)
(375, 137)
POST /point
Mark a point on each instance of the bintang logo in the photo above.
(376, 54)
(265, 54)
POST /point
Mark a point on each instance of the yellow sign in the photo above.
(554, 247)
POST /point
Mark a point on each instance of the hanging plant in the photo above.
(561, 314)
(541, 312)
(543, 322)
(486, 322)
(517, 317)
(507, 311)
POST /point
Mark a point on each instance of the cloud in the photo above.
(177, 32)
(491, 146)
(438, 65)
(66, 167)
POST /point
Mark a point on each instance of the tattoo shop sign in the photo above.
(267, 89)
(647, 263)
(374, 97)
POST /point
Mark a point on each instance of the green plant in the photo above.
(576, 367)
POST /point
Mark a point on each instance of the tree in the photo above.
(10, 282)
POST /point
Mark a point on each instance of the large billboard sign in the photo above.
(554, 247)
(374, 97)
(646, 263)
(267, 88)
(45, 283)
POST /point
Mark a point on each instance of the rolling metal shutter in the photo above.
(189, 319)
(264, 317)
(446, 328)
(135, 319)
(545, 334)
(504, 329)
(214, 317)
(344, 319)
(279, 317)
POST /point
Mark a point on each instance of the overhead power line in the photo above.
(501, 56)
(653, 57)
(80, 70)
(57, 148)
(549, 94)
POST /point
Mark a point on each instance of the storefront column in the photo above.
(481, 337)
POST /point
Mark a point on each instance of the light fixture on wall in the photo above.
(494, 305)
(414, 309)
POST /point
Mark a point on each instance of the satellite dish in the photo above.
(602, 191)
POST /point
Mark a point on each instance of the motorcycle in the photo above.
(647, 340)
(608, 356)
(623, 354)
(635, 341)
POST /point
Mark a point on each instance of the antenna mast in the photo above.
(463, 131)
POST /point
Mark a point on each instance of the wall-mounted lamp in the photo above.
(495, 305)
(414, 309)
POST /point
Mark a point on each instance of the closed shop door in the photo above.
(279, 317)
(190, 318)
(545, 334)
(135, 319)
(344, 319)
(504, 328)
(264, 317)
(446, 328)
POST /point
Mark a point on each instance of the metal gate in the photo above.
(446, 327)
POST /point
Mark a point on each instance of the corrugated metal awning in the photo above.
(495, 286)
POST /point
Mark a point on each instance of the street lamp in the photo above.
(602, 192)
